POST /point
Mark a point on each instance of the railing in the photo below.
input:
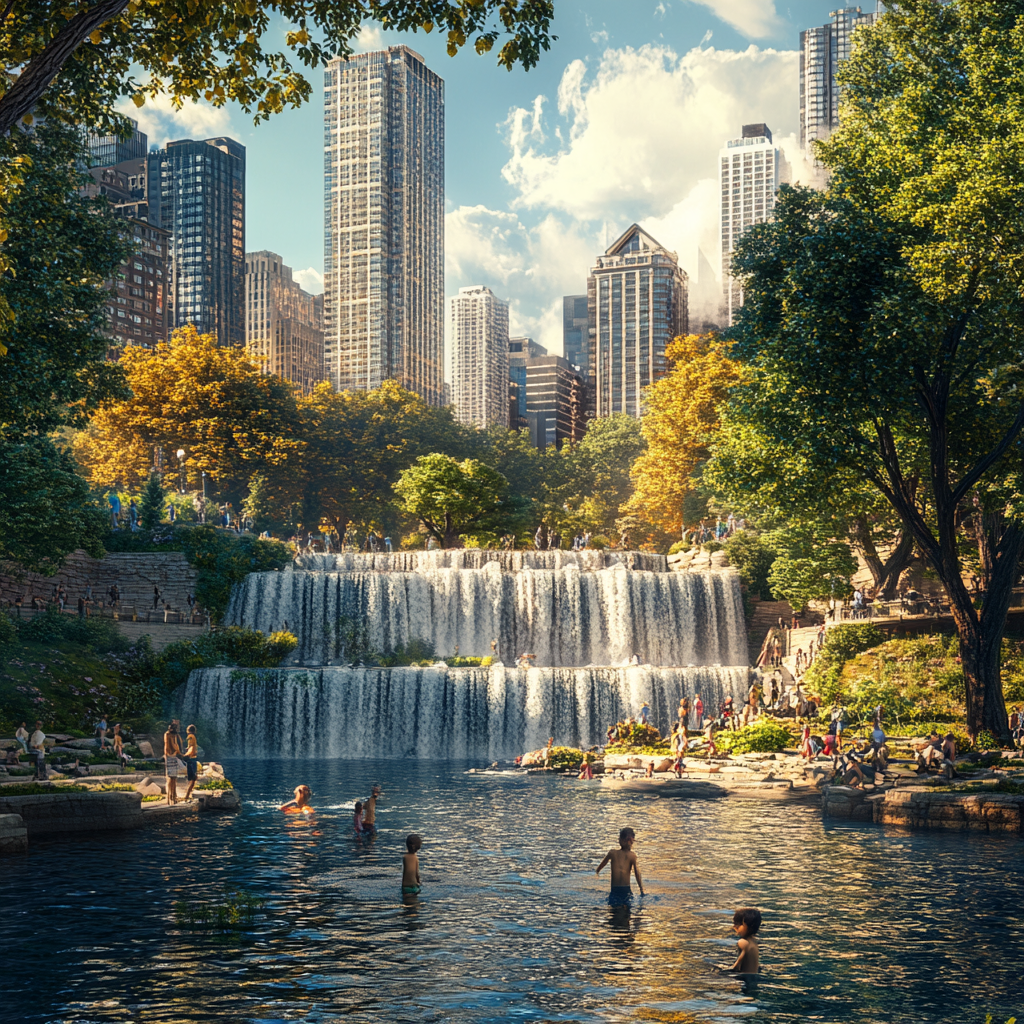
(119, 613)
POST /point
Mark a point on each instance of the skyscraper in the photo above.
(575, 341)
(750, 171)
(201, 201)
(554, 402)
(284, 324)
(106, 150)
(637, 303)
(478, 329)
(520, 351)
(384, 222)
(822, 50)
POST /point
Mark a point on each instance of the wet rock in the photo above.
(145, 748)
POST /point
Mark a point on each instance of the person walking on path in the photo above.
(37, 741)
(101, 729)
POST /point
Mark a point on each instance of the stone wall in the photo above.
(54, 813)
(135, 575)
(13, 835)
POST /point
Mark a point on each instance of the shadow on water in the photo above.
(861, 925)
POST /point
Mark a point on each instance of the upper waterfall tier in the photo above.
(478, 558)
(563, 616)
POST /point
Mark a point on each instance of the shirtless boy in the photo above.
(746, 923)
(411, 866)
(370, 810)
(623, 861)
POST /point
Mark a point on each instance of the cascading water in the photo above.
(584, 615)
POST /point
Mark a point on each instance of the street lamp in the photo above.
(181, 470)
(202, 511)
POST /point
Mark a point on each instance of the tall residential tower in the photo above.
(478, 325)
(637, 303)
(384, 222)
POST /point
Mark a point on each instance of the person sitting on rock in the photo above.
(849, 768)
(930, 754)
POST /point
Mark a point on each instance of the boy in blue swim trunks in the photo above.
(623, 861)
(411, 866)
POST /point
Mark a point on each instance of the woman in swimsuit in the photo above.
(301, 801)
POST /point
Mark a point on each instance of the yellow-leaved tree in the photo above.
(231, 420)
(680, 416)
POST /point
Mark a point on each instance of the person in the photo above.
(746, 923)
(191, 760)
(698, 708)
(81, 607)
(645, 710)
(358, 823)
(538, 538)
(878, 750)
(22, 737)
(119, 743)
(101, 729)
(411, 885)
(806, 749)
(547, 751)
(37, 741)
(156, 597)
(301, 801)
(133, 515)
(769, 691)
(849, 767)
(370, 809)
(728, 713)
(587, 768)
(623, 861)
(115, 510)
(709, 737)
(172, 766)
(930, 754)
(831, 747)
(387, 544)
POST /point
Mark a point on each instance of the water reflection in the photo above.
(861, 925)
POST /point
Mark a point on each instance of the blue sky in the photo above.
(621, 121)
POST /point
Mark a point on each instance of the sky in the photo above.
(621, 121)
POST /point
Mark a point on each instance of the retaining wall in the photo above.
(13, 835)
(50, 813)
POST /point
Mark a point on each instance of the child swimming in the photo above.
(623, 861)
(357, 817)
(301, 801)
(746, 923)
(411, 866)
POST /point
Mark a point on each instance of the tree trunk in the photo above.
(451, 536)
(884, 576)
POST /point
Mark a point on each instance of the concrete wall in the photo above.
(54, 813)
(13, 835)
(134, 574)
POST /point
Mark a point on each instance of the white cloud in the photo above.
(163, 124)
(370, 38)
(310, 279)
(756, 19)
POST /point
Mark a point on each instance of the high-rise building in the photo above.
(284, 324)
(478, 333)
(107, 150)
(384, 222)
(554, 402)
(575, 341)
(196, 190)
(520, 351)
(822, 50)
(750, 171)
(637, 303)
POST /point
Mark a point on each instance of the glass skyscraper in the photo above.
(637, 303)
(106, 150)
(202, 203)
(575, 340)
(384, 222)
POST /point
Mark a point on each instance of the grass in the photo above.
(236, 911)
(39, 789)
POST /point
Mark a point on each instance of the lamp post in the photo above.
(202, 511)
(181, 470)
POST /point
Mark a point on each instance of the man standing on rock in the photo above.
(37, 743)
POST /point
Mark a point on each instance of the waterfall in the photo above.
(586, 616)
(436, 712)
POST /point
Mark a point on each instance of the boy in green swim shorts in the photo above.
(411, 866)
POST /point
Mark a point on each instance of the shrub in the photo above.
(598, 543)
(102, 635)
(566, 757)
(753, 559)
(40, 789)
(248, 648)
(415, 652)
(680, 545)
(8, 635)
(151, 505)
(842, 642)
(711, 546)
(762, 737)
(986, 741)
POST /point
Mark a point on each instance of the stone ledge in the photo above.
(52, 813)
(13, 835)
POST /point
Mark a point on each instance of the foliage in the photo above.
(680, 415)
(247, 648)
(235, 911)
(452, 498)
(258, 504)
(597, 476)
(882, 321)
(842, 642)
(151, 507)
(215, 784)
(217, 52)
(164, 538)
(808, 566)
(8, 635)
(680, 545)
(40, 789)
(660, 749)
(223, 559)
(753, 557)
(460, 662)
(632, 735)
(213, 401)
(565, 758)
(764, 737)
(100, 635)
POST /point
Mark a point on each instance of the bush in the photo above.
(762, 738)
(151, 505)
(753, 559)
(680, 545)
(246, 648)
(842, 642)
(52, 627)
(415, 652)
(598, 543)
(712, 546)
(8, 636)
(566, 757)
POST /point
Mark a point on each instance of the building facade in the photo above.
(384, 222)
(196, 191)
(637, 303)
(555, 402)
(520, 351)
(284, 324)
(107, 150)
(822, 51)
(478, 335)
(750, 171)
(575, 340)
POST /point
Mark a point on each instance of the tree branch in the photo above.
(990, 459)
(30, 85)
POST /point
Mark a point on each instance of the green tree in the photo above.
(884, 319)
(259, 505)
(151, 505)
(452, 499)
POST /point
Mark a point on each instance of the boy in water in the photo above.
(746, 923)
(623, 861)
(370, 809)
(411, 866)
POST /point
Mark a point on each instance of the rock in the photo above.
(82, 744)
(150, 788)
(13, 835)
(212, 770)
(533, 758)
(218, 800)
(664, 764)
(145, 748)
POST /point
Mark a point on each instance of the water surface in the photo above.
(861, 924)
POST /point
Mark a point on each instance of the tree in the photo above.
(151, 505)
(259, 504)
(452, 499)
(82, 55)
(680, 415)
(884, 319)
(215, 402)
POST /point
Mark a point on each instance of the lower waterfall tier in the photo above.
(564, 616)
(436, 712)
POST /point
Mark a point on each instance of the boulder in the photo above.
(81, 744)
(145, 748)
(612, 761)
(212, 770)
(152, 786)
(533, 758)
(664, 764)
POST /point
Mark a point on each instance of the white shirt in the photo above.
(21, 734)
(37, 739)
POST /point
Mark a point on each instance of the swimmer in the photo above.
(301, 801)
(746, 923)
(411, 866)
(357, 817)
(370, 810)
(623, 861)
